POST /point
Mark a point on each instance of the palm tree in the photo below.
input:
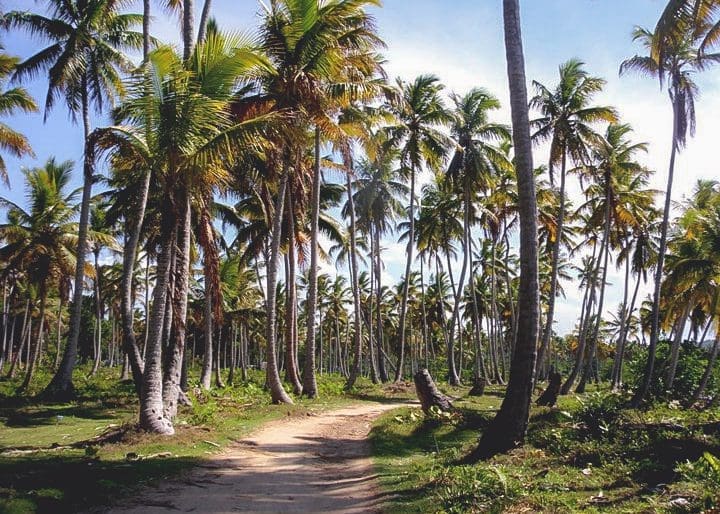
(472, 168)
(179, 125)
(509, 426)
(83, 62)
(40, 242)
(566, 121)
(681, 58)
(618, 200)
(11, 101)
(419, 112)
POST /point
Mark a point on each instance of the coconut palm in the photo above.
(41, 241)
(567, 119)
(83, 65)
(509, 426)
(178, 124)
(476, 161)
(681, 58)
(419, 112)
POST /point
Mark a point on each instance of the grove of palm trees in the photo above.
(230, 251)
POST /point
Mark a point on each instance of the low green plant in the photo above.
(476, 488)
(600, 413)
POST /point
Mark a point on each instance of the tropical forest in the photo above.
(338, 256)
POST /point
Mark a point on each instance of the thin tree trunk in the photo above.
(642, 391)
(355, 369)
(204, 18)
(623, 322)
(61, 387)
(188, 28)
(378, 310)
(292, 374)
(708, 371)
(309, 385)
(547, 333)
(206, 373)
(508, 428)
(98, 316)
(176, 351)
(406, 286)
(277, 391)
(36, 348)
(675, 349)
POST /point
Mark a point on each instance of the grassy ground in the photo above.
(62, 480)
(586, 455)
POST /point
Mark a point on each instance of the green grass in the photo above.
(63, 480)
(578, 458)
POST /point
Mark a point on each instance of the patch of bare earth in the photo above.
(318, 463)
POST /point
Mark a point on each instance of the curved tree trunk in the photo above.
(291, 339)
(61, 387)
(188, 28)
(642, 391)
(675, 348)
(708, 371)
(508, 428)
(204, 18)
(37, 347)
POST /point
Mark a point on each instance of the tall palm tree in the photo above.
(41, 241)
(178, 123)
(567, 116)
(509, 426)
(419, 112)
(476, 160)
(12, 100)
(83, 63)
(681, 58)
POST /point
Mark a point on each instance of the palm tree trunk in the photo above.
(146, 29)
(623, 321)
(34, 356)
(188, 28)
(152, 412)
(291, 370)
(277, 391)
(509, 426)
(675, 348)
(309, 380)
(206, 373)
(355, 369)
(61, 387)
(406, 286)
(547, 333)
(98, 316)
(176, 351)
(708, 371)
(642, 391)
(378, 310)
(204, 18)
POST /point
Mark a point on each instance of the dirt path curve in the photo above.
(312, 464)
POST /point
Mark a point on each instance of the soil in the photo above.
(318, 463)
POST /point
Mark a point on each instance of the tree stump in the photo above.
(550, 395)
(478, 388)
(428, 393)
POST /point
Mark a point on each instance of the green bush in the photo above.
(600, 413)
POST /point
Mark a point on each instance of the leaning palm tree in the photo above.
(567, 118)
(12, 100)
(83, 65)
(419, 112)
(681, 59)
(178, 123)
(509, 426)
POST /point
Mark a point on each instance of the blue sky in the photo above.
(461, 41)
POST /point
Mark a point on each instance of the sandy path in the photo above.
(316, 463)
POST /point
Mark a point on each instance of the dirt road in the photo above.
(312, 464)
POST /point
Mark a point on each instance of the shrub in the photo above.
(478, 488)
(599, 413)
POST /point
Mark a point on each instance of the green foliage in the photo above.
(476, 488)
(706, 472)
(692, 362)
(600, 413)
